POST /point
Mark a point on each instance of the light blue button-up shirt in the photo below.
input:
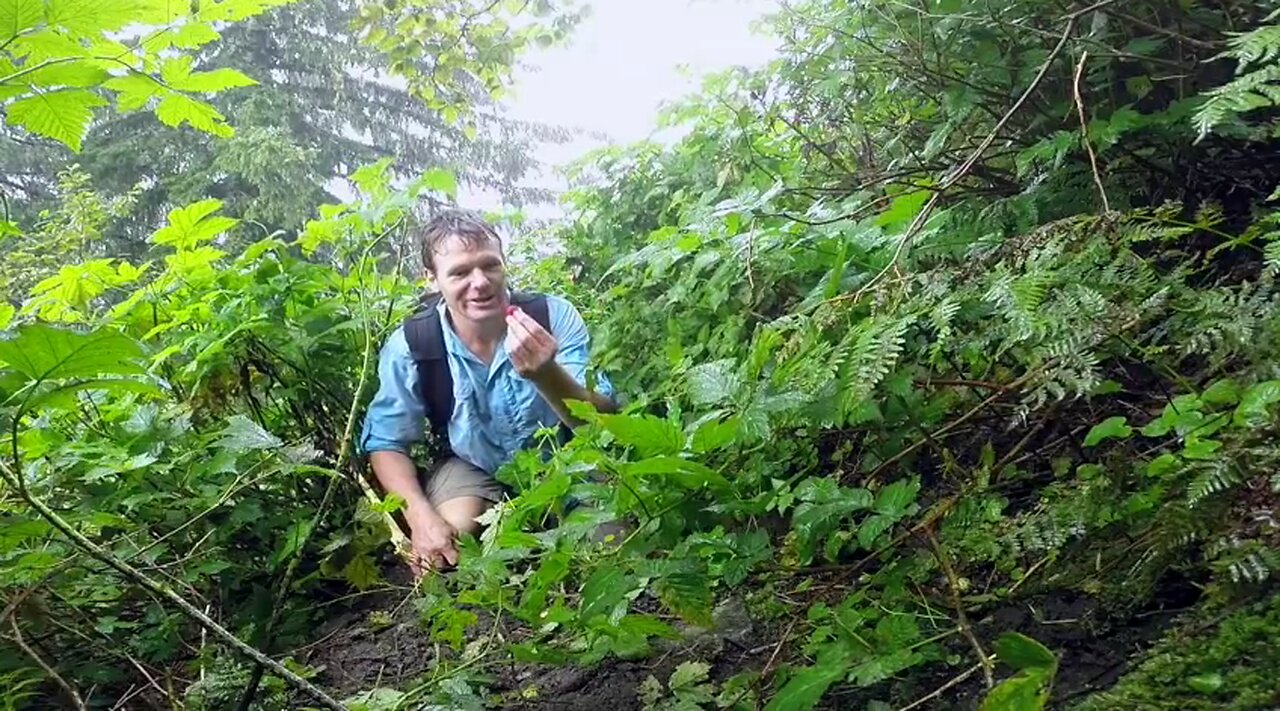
(495, 409)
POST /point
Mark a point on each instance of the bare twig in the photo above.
(1084, 132)
(957, 422)
(70, 691)
(942, 689)
(953, 584)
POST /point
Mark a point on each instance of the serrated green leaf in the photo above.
(807, 686)
(133, 91)
(712, 433)
(63, 396)
(62, 115)
(243, 434)
(649, 435)
(175, 109)
(687, 594)
(77, 74)
(871, 529)
(294, 538)
(439, 180)
(18, 15)
(1021, 652)
(686, 473)
(93, 17)
(362, 573)
(604, 590)
(212, 82)
(195, 223)
(1110, 428)
(41, 352)
(688, 674)
(712, 383)
(894, 499)
(6, 314)
(553, 569)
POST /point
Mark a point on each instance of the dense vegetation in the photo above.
(955, 317)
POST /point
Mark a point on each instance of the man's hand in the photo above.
(529, 346)
(433, 546)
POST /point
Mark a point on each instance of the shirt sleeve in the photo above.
(574, 342)
(396, 417)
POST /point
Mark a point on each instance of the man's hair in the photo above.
(466, 225)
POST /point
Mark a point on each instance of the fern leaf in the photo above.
(1215, 479)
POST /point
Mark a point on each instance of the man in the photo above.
(511, 376)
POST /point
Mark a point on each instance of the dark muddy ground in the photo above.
(1093, 653)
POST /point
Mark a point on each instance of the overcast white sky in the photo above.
(627, 58)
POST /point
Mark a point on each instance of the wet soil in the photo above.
(1093, 651)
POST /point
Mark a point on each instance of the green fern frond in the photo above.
(1251, 89)
(1272, 257)
(1215, 479)
(1256, 47)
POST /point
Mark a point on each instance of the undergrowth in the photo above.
(905, 347)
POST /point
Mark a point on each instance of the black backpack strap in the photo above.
(426, 346)
(425, 335)
(536, 306)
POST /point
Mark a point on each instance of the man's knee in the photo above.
(462, 512)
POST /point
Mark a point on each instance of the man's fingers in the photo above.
(531, 325)
(517, 326)
(450, 556)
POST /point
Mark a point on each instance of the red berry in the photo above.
(511, 310)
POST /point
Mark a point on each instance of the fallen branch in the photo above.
(950, 684)
(22, 644)
(93, 550)
(1011, 387)
(953, 583)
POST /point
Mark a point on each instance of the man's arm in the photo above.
(396, 419)
(556, 365)
(556, 385)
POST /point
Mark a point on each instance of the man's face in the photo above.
(472, 278)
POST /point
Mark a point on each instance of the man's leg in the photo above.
(460, 492)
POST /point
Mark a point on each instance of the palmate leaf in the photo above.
(178, 75)
(175, 109)
(62, 115)
(192, 224)
(41, 352)
(93, 17)
(242, 434)
(18, 15)
(81, 74)
(133, 91)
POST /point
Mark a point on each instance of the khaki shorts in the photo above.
(458, 477)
